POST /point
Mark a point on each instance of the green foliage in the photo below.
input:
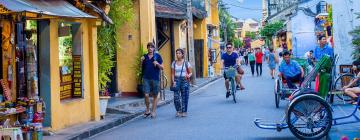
(330, 17)
(252, 35)
(121, 11)
(138, 65)
(356, 42)
(270, 30)
(237, 43)
(226, 23)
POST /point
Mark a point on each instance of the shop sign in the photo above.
(77, 76)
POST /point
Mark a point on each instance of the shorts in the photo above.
(151, 86)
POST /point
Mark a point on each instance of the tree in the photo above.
(356, 41)
(252, 35)
(270, 30)
(227, 24)
(238, 43)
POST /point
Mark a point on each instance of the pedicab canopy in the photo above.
(59, 8)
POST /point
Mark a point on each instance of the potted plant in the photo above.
(138, 70)
(103, 100)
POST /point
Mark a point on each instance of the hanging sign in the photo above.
(77, 76)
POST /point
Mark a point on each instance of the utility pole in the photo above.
(191, 38)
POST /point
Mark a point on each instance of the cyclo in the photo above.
(281, 91)
(309, 115)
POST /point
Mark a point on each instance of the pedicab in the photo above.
(309, 115)
(281, 90)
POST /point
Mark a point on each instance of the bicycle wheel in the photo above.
(277, 93)
(233, 89)
(309, 117)
(340, 82)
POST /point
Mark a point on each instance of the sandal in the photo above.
(146, 114)
(153, 115)
(178, 114)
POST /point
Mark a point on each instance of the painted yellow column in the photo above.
(55, 75)
(93, 65)
(147, 21)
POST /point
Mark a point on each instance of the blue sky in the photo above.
(251, 8)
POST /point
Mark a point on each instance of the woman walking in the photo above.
(272, 62)
(251, 58)
(181, 73)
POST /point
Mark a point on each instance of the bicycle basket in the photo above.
(231, 72)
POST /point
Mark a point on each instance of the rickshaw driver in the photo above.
(291, 71)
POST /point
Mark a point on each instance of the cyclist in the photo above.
(231, 58)
(354, 92)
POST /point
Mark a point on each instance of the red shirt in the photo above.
(258, 57)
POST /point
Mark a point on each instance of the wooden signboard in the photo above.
(66, 86)
(77, 76)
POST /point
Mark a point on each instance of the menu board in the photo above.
(77, 76)
(66, 86)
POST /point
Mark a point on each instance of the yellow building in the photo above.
(61, 63)
(132, 35)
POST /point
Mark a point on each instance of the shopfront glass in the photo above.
(70, 50)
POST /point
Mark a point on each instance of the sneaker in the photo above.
(237, 87)
(227, 94)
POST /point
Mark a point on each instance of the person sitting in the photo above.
(291, 71)
(351, 91)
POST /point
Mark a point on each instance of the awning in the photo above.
(60, 8)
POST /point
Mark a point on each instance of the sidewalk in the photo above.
(350, 130)
(120, 110)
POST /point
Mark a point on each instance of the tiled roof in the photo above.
(175, 9)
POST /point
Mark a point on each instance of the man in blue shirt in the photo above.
(151, 66)
(323, 49)
(290, 70)
(231, 59)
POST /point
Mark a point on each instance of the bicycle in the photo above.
(163, 85)
(230, 73)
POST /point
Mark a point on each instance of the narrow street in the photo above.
(211, 115)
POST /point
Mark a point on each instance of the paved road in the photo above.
(211, 116)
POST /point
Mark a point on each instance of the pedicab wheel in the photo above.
(309, 117)
(340, 82)
(277, 93)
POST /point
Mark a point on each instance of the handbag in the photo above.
(176, 88)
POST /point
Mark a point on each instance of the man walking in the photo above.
(151, 66)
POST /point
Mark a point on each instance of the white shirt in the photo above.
(179, 67)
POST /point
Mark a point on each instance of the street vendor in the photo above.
(291, 70)
(353, 88)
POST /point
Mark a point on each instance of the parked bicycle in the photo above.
(163, 85)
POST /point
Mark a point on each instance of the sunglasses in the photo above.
(229, 47)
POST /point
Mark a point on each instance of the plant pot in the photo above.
(140, 91)
(103, 105)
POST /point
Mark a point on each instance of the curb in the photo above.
(121, 120)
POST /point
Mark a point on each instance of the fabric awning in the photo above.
(60, 8)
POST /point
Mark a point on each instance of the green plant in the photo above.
(270, 30)
(252, 35)
(356, 41)
(238, 43)
(121, 11)
(138, 65)
(227, 23)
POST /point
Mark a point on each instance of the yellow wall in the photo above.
(200, 32)
(216, 22)
(142, 30)
(69, 112)
(165, 53)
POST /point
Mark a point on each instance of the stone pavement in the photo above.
(119, 111)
